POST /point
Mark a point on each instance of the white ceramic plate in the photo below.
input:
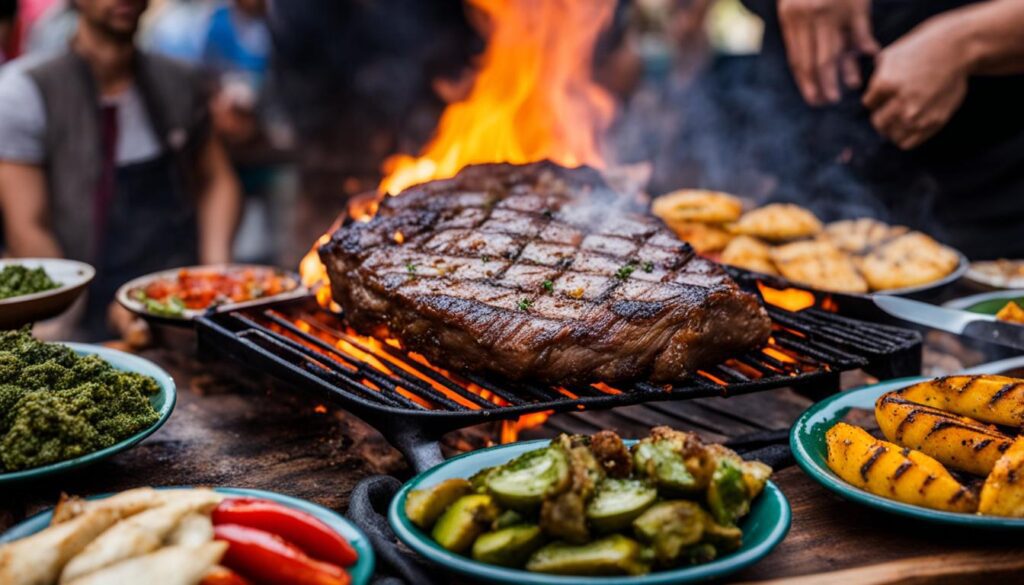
(73, 278)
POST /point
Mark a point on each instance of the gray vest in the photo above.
(175, 101)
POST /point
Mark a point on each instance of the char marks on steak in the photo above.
(538, 272)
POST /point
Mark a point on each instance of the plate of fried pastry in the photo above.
(784, 240)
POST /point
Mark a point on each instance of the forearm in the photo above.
(219, 208)
(219, 205)
(991, 36)
(26, 212)
(32, 241)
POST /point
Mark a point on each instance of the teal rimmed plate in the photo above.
(162, 401)
(763, 529)
(360, 572)
(807, 441)
(987, 303)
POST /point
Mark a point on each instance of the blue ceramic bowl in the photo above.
(360, 572)
(763, 529)
(807, 441)
(162, 401)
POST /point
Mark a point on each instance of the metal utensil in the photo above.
(967, 324)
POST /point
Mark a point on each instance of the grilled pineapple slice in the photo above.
(1003, 492)
(992, 399)
(956, 441)
(887, 470)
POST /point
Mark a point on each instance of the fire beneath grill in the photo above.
(401, 392)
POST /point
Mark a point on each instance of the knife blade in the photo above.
(973, 325)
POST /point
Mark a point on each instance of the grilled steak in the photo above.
(538, 272)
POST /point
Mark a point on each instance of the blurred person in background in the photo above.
(920, 99)
(106, 156)
(247, 114)
(359, 81)
(690, 113)
(8, 14)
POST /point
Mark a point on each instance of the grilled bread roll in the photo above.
(991, 399)
(819, 264)
(778, 222)
(895, 472)
(909, 260)
(750, 254)
(703, 237)
(697, 205)
(956, 441)
(858, 236)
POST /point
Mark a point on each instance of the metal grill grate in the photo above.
(316, 351)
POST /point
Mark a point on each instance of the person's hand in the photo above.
(919, 83)
(233, 121)
(823, 39)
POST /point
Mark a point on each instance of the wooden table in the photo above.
(232, 427)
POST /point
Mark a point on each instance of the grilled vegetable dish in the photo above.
(199, 289)
(591, 506)
(951, 444)
(853, 256)
(56, 405)
(180, 537)
(17, 280)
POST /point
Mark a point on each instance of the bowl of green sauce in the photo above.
(33, 289)
(67, 405)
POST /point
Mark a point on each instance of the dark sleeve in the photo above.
(763, 8)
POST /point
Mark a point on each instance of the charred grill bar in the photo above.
(414, 403)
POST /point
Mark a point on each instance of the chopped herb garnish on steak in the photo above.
(648, 266)
(485, 258)
(624, 272)
(548, 285)
(410, 268)
(524, 304)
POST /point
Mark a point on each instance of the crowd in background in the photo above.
(297, 103)
(231, 40)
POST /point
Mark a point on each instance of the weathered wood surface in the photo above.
(236, 428)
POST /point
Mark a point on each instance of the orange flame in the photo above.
(533, 97)
(791, 299)
(510, 429)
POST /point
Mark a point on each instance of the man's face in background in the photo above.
(117, 18)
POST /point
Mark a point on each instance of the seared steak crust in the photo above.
(538, 272)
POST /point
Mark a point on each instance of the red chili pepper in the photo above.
(223, 576)
(299, 528)
(268, 558)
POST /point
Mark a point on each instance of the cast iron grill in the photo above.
(413, 403)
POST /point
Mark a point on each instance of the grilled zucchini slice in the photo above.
(670, 528)
(617, 502)
(424, 507)
(991, 399)
(522, 483)
(508, 547)
(612, 555)
(956, 441)
(899, 473)
(464, 521)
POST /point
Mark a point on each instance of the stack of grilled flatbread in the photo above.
(782, 239)
(139, 536)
